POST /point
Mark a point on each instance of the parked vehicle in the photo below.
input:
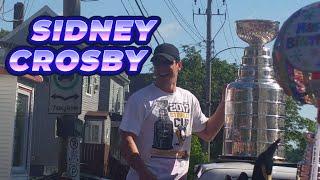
(219, 170)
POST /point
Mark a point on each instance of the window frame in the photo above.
(89, 85)
(88, 138)
(24, 168)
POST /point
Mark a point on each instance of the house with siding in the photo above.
(17, 109)
(24, 111)
(16, 124)
(114, 91)
(100, 154)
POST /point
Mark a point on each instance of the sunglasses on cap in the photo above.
(162, 62)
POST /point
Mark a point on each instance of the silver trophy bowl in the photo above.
(257, 32)
(254, 103)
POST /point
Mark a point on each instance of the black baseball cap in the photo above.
(167, 51)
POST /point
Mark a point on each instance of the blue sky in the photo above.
(170, 29)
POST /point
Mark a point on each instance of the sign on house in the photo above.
(65, 95)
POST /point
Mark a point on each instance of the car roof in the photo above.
(221, 169)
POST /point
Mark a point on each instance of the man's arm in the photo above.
(130, 152)
(213, 125)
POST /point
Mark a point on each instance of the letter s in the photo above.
(41, 31)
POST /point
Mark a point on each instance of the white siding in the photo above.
(116, 97)
(107, 130)
(89, 102)
(8, 89)
(113, 93)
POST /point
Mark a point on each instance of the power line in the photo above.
(2, 14)
(179, 21)
(10, 10)
(1, 7)
(26, 7)
(202, 7)
(31, 5)
(236, 47)
(134, 12)
(125, 7)
(145, 10)
(205, 20)
(185, 21)
(227, 12)
(11, 43)
(218, 5)
(194, 44)
(144, 16)
(225, 37)
(148, 15)
(149, 67)
(198, 34)
(224, 33)
(220, 28)
(141, 13)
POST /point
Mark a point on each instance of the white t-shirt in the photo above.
(163, 123)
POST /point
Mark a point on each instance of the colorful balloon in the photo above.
(296, 54)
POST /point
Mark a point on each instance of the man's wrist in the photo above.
(137, 163)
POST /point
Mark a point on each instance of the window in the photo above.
(93, 132)
(21, 131)
(116, 96)
(89, 85)
(119, 100)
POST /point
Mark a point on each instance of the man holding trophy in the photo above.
(159, 121)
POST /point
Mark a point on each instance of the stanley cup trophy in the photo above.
(255, 107)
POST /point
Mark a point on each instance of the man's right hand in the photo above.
(130, 152)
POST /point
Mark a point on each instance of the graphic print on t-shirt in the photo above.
(163, 128)
(173, 119)
(179, 112)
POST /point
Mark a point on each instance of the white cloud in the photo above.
(170, 30)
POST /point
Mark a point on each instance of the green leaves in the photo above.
(196, 156)
(193, 74)
(3, 32)
(295, 126)
(192, 77)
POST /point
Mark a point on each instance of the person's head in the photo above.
(167, 64)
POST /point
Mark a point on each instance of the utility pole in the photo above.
(208, 67)
(18, 14)
(69, 154)
(209, 52)
(71, 7)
